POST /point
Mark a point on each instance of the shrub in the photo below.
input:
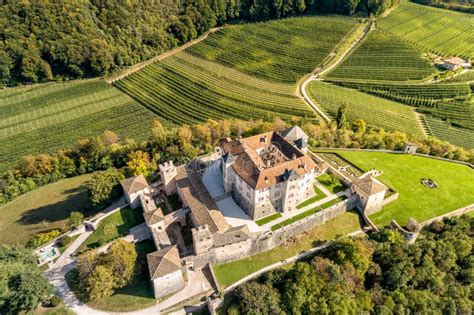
(101, 242)
(42, 238)
(110, 229)
(64, 241)
(54, 301)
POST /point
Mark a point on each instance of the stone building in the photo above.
(455, 63)
(410, 148)
(133, 188)
(168, 174)
(370, 193)
(165, 271)
(268, 173)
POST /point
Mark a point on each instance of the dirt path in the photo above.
(164, 55)
(302, 88)
(422, 123)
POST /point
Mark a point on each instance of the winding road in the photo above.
(323, 70)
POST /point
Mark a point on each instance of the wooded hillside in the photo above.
(51, 39)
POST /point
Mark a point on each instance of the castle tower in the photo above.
(168, 174)
(227, 173)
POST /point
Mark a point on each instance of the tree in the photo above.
(359, 126)
(75, 219)
(139, 163)
(256, 298)
(101, 283)
(341, 116)
(121, 260)
(103, 186)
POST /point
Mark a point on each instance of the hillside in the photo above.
(240, 71)
(48, 117)
(441, 31)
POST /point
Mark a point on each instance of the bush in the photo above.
(64, 241)
(42, 238)
(110, 229)
(101, 242)
(54, 301)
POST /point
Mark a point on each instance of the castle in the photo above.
(257, 177)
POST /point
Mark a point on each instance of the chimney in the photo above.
(293, 157)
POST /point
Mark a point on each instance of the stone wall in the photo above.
(455, 213)
(264, 242)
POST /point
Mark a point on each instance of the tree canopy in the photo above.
(379, 275)
(45, 40)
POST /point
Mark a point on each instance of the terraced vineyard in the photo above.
(442, 130)
(467, 76)
(47, 117)
(450, 102)
(281, 51)
(382, 56)
(187, 89)
(374, 110)
(442, 31)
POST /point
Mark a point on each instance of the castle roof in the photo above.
(153, 217)
(369, 184)
(294, 133)
(193, 192)
(259, 173)
(163, 262)
(134, 184)
(232, 235)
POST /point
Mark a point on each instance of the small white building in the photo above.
(133, 188)
(455, 63)
(370, 193)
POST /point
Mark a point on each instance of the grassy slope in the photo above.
(374, 110)
(124, 219)
(231, 272)
(382, 56)
(188, 89)
(46, 117)
(282, 50)
(404, 172)
(42, 209)
(445, 32)
(442, 130)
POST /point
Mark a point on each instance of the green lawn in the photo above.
(123, 219)
(404, 172)
(270, 218)
(308, 213)
(333, 186)
(229, 273)
(319, 195)
(42, 209)
(63, 248)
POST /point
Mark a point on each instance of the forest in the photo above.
(58, 40)
(379, 275)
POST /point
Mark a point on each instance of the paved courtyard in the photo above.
(233, 214)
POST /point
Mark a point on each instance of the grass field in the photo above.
(188, 89)
(44, 118)
(333, 186)
(442, 31)
(268, 219)
(229, 273)
(404, 172)
(319, 194)
(42, 209)
(282, 50)
(123, 220)
(382, 56)
(444, 131)
(374, 110)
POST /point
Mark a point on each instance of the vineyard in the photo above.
(444, 131)
(441, 31)
(45, 118)
(187, 89)
(281, 51)
(374, 110)
(383, 57)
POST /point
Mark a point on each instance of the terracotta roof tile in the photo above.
(369, 184)
(163, 262)
(134, 184)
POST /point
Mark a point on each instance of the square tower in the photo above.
(168, 174)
